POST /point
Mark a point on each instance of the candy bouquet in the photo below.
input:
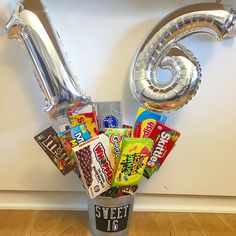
(108, 157)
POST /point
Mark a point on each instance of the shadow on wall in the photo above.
(13, 56)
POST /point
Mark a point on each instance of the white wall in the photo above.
(101, 38)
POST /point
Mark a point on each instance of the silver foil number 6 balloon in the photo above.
(30, 24)
(161, 49)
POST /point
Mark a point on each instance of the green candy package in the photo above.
(134, 156)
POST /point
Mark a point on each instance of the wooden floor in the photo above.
(33, 223)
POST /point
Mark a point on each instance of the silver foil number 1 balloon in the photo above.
(30, 24)
(161, 49)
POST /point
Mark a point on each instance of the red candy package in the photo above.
(89, 119)
(145, 123)
(165, 139)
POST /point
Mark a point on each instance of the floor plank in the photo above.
(229, 220)
(75, 223)
(184, 225)
(15, 223)
(44, 223)
(151, 224)
(212, 225)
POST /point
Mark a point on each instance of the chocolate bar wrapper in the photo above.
(73, 137)
(115, 138)
(134, 156)
(116, 192)
(109, 115)
(96, 164)
(145, 122)
(127, 126)
(126, 190)
(165, 141)
(89, 119)
(52, 146)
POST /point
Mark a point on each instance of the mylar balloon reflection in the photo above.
(161, 49)
(30, 24)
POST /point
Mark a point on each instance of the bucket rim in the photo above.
(123, 197)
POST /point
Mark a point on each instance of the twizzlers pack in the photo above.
(96, 164)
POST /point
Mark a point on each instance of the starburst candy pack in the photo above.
(133, 159)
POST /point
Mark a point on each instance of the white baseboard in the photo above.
(27, 200)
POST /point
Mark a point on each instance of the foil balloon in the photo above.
(29, 23)
(161, 49)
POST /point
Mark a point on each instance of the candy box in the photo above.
(165, 141)
(109, 115)
(52, 146)
(133, 159)
(73, 137)
(89, 119)
(96, 164)
(145, 122)
(115, 138)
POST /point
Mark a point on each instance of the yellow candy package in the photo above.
(134, 156)
(89, 119)
(115, 138)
